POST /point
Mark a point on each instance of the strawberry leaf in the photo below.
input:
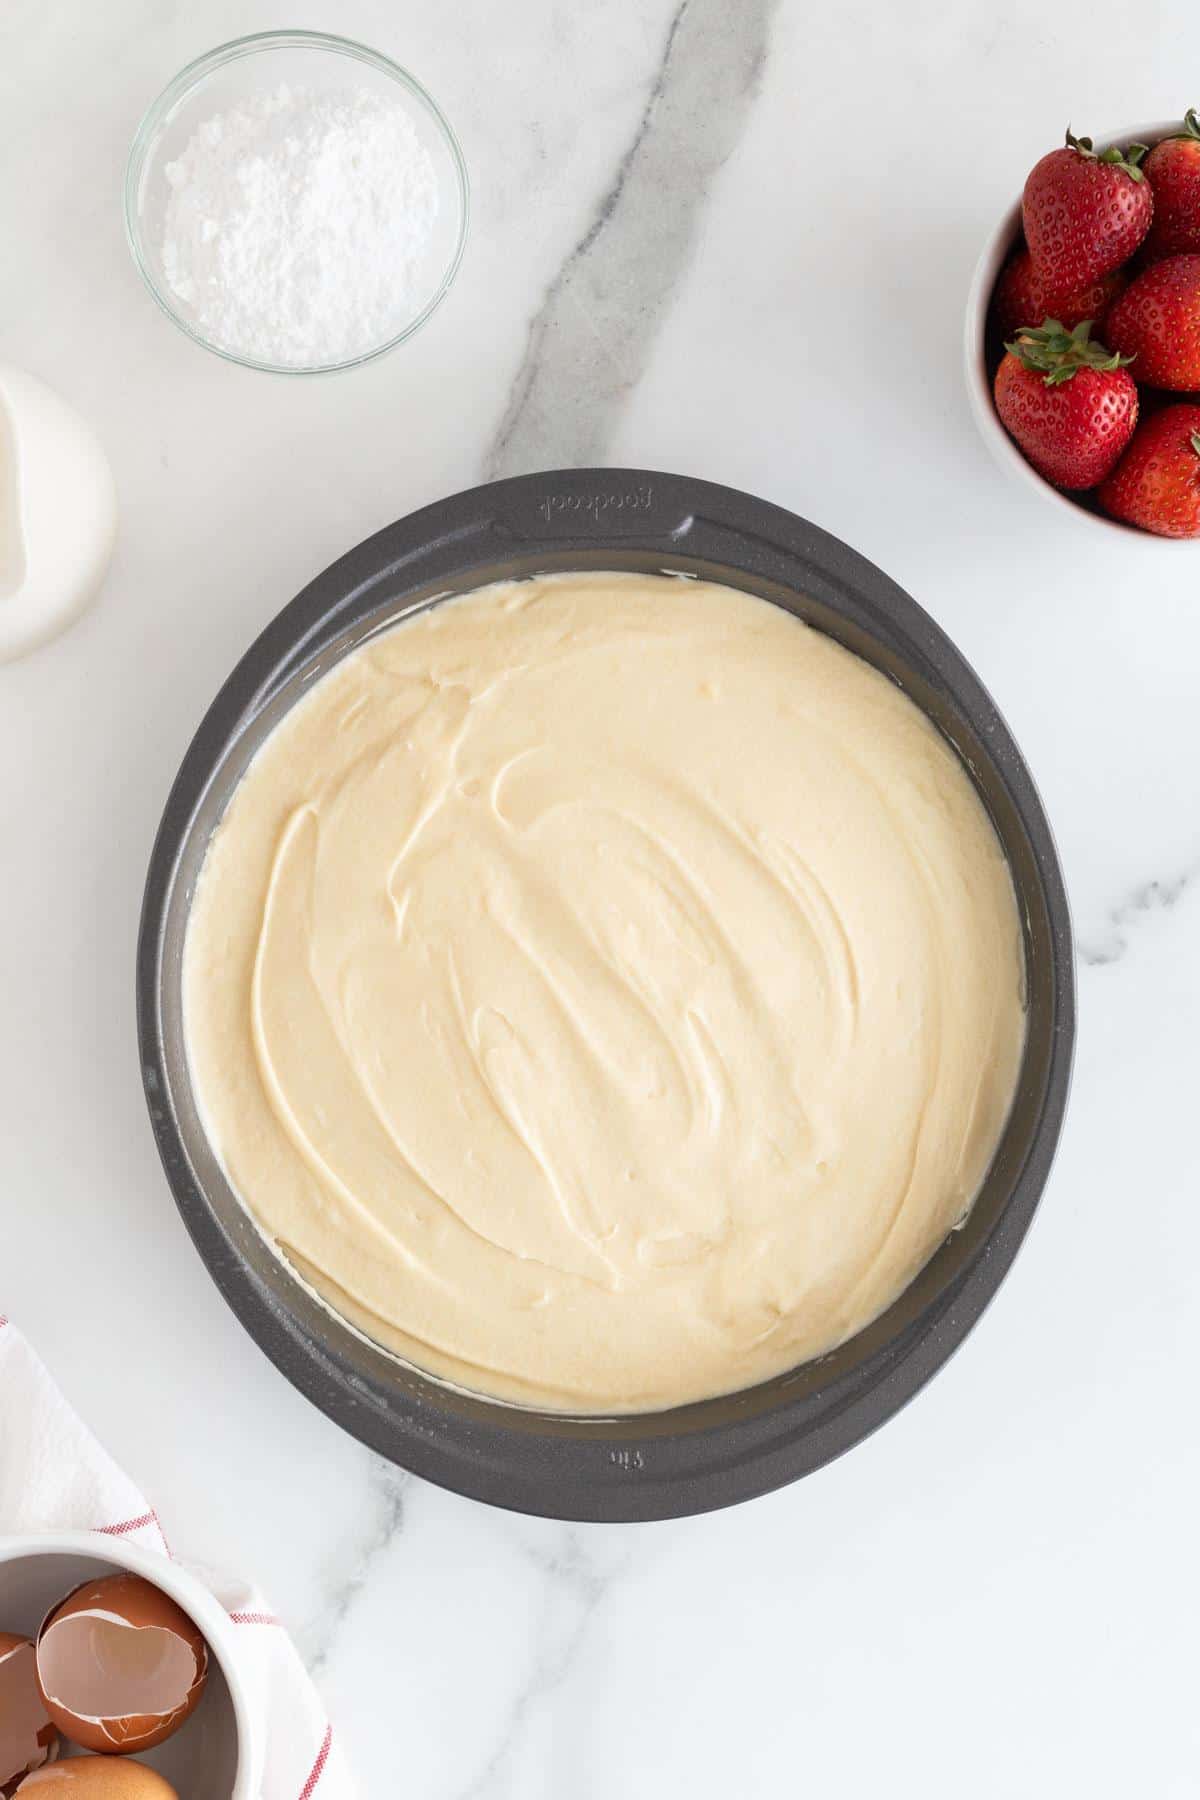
(1057, 354)
(1114, 156)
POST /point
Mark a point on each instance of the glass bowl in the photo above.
(228, 76)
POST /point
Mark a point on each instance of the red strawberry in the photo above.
(1068, 403)
(1173, 171)
(1021, 299)
(1156, 484)
(1157, 319)
(1085, 213)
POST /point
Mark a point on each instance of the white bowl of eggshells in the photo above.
(215, 1750)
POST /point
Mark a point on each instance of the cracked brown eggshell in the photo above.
(120, 1667)
(98, 1778)
(28, 1736)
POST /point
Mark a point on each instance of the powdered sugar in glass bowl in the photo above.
(296, 202)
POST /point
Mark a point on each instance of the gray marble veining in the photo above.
(1148, 898)
(576, 1580)
(361, 1553)
(593, 332)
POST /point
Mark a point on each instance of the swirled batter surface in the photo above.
(606, 990)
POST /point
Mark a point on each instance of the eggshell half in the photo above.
(28, 1737)
(58, 513)
(119, 1666)
(98, 1778)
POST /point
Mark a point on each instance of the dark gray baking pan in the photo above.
(700, 1456)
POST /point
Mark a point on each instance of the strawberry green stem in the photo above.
(1056, 353)
(1127, 159)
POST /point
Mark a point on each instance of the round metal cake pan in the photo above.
(710, 1454)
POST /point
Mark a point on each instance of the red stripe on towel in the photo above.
(318, 1767)
(254, 1618)
(128, 1525)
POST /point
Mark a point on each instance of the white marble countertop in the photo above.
(732, 239)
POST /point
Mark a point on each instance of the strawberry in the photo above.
(1068, 403)
(1085, 213)
(1021, 299)
(1157, 319)
(1173, 171)
(1156, 484)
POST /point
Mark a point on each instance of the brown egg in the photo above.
(119, 1666)
(98, 1778)
(27, 1736)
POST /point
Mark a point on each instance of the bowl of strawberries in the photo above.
(1083, 331)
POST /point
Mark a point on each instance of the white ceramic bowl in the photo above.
(996, 253)
(218, 1754)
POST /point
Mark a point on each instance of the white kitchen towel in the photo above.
(54, 1476)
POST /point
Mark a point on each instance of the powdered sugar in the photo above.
(299, 224)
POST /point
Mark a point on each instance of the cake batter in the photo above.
(605, 990)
